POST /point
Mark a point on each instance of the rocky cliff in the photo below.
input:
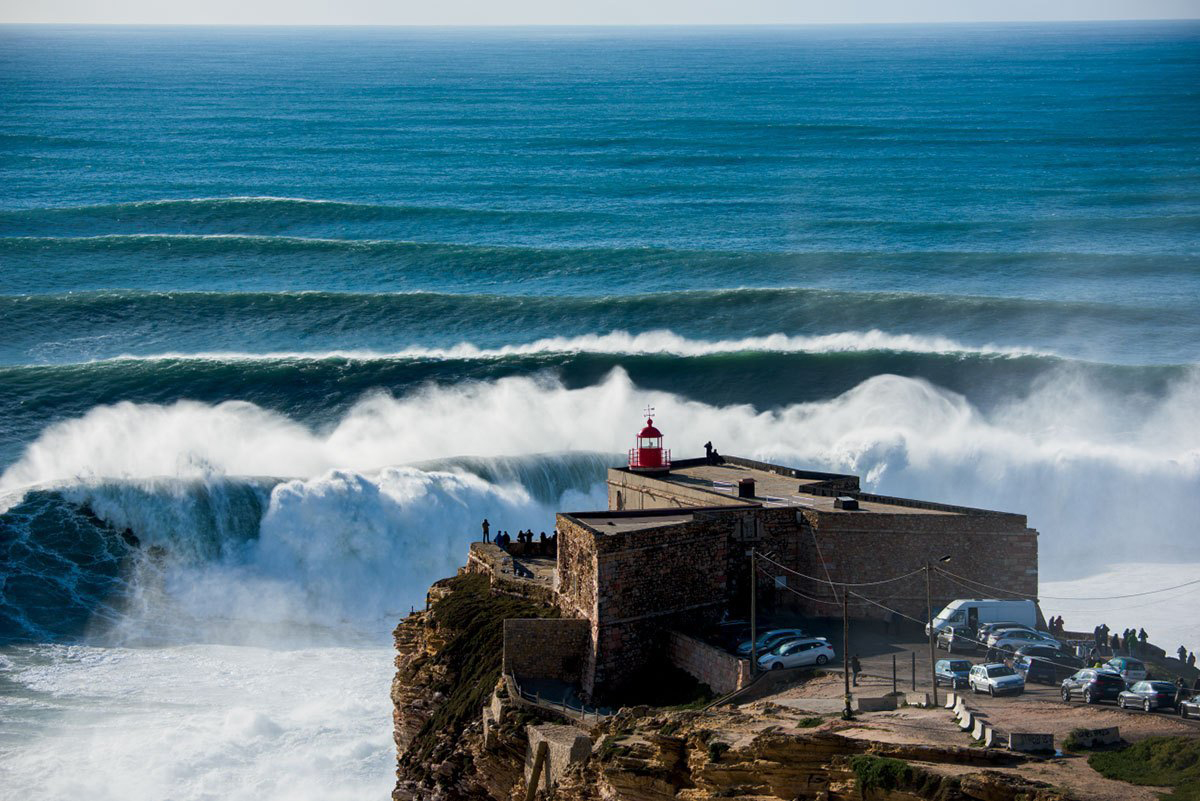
(461, 733)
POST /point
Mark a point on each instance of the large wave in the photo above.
(1102, 475)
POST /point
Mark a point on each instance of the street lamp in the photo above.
(929, 617)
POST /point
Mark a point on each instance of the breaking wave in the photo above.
(350, 536)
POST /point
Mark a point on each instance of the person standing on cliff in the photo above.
(487, 527)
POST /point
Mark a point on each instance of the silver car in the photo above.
(995, 679)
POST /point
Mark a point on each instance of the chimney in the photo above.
(746, 488)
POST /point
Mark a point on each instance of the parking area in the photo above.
(881, 650)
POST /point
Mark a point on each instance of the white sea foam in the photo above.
(662, 342)
(1114, 473)
(198, 722)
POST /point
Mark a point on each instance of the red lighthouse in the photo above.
(648, 455)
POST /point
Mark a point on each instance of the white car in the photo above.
(797, 653)
(995, 679)
(1012, 639)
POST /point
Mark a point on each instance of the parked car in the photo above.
(956, 639)
(729, 634)
(969, 613)
(1130, 669)
(1148, 695)
(951, 672)
(769, 639)
(1012, 639)
(797, 653)
(1045, 664)
(985, 631)
(1093, 685)
(994, 679)
(1190, 708)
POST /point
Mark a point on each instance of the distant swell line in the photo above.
(664, 343)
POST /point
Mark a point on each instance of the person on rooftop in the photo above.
(1182, 654)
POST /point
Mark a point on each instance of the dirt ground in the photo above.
(1041, 713)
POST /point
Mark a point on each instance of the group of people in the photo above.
(546, 546)
(1129, 641)
(1056, 626)
(1187, 658)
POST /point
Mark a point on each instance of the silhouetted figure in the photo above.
(855, 668)
(1142, 637)
(542, 546)
(486, 528)
(1116, 643)
(708, 453)
(1182, 654)
(1192, 659)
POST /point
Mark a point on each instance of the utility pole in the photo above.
(847, 713)
(929, 617)
(753, 612)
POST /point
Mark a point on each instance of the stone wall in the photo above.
(546, 648)
(863, 547)
(720, 670)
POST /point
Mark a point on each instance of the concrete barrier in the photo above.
(951, 700)
(977, 732)
(917, 699)
(1091, 738)
(989, 737)
(967, 721)
(884, 703)
(1031, 743)
(960, 706)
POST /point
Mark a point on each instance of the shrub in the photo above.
(880, 773)
(1157, 762)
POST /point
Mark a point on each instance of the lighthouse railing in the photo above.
(635, 459)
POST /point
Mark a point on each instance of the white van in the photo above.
(971, 614)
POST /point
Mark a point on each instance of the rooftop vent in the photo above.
(846, 502)
(746, 488)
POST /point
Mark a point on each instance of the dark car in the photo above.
(985, 630)
(1190, 708)
(951, 672)
(952, 639)
(1148, 695)
(1043, 664)
(1093, 685)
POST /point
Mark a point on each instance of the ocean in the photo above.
(287, 312)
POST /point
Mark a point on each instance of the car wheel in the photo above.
(992, 690)
(1146, 705)
(1066, 694)
(822, 659)
(1087, 697)
(777, 666)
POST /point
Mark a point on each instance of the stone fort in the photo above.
(671, 555)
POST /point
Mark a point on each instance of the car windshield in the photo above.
(1109, 678)
(1162, 686)
(959, 665)
(1000, 670)
(1133, 664)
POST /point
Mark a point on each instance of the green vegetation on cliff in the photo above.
(470, 621)
(1156, 762)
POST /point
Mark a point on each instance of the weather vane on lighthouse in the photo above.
(648, 454)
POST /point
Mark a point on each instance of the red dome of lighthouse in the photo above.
(648, 455)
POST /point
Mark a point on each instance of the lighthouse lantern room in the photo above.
(648, 454)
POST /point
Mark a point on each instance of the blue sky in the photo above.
(578, 12)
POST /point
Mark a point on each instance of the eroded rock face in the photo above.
(640, 754)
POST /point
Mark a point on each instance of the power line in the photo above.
(1072, 598)
(832, 583)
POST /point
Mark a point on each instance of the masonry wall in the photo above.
(546, 648)
(863, 547)
(631, 491)
(720, 670)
